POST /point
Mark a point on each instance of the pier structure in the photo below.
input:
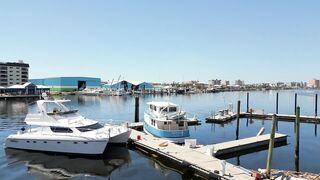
(202, 160)
(267, 116)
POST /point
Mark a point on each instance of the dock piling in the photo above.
(271, 145)
(316, 106)
(295, 103)
(238, 119)
(248, 101)
(297, 145)
(277, 103)
(136, 112)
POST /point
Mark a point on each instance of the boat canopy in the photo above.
(54, 113)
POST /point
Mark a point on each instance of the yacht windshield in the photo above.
(53, 108)
(90, 127)
(172, 109)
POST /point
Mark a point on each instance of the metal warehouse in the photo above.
(132, 85)
(68, 83)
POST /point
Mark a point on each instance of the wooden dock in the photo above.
(282, 117)
(5, 97)
(268, 116)
(236, 146)
(200, 163)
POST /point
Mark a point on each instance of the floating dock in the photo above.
(236, 146)
(197, 159)
(280, 117)
(200, 163)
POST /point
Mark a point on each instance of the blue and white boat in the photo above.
(166, 120)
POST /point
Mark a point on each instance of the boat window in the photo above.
(90, 127)
(163, 110)
(165, 123)
(172, 109)
(61, 130)
(181, 124)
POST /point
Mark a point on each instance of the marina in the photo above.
(236, 153)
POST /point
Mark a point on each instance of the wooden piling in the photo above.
(277, 104)
(238, 120)
(136, 112)
(271, 145)
(316, 106)
(295, 103)
(297, 145)
(247, 102)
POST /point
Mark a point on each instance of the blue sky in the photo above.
(164, 41)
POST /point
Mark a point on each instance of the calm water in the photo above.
(120, 163)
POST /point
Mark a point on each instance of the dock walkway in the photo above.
(280, 117)
(235, 146)
(203, 164)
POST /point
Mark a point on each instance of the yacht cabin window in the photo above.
(172, 109)
(61, 130)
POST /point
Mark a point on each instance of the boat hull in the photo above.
(121, 138)
(175, 136)
(60, 146)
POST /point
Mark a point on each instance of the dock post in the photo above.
(277, 104)
(295, 103)
(316, 106)
(247, 102)
(238, 119)
(297, 145)
(271, 145)
(277, 109)
(136, 112)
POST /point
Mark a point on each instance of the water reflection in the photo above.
(62, 166)
(13, 108)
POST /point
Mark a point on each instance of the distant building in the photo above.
(214, 82)
(60, 84)
(239, 83)
(225, 83)
(13, 73)
(314, 83)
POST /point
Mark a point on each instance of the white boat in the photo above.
(165, 120)
(59, 129)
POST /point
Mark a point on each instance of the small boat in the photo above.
(165, 120)
(59, 129)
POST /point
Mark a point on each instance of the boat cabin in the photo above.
(167, 116)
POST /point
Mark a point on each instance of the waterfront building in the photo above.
(24, 89)
(214, 82)
(314, 83)
(225, 83)
(239, 83)
(12, 73)
(63, 84)
(129, 85)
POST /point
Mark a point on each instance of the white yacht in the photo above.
(165, 120)
(58, 129)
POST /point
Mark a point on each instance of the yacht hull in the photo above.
(121, 138)
(60, 146)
